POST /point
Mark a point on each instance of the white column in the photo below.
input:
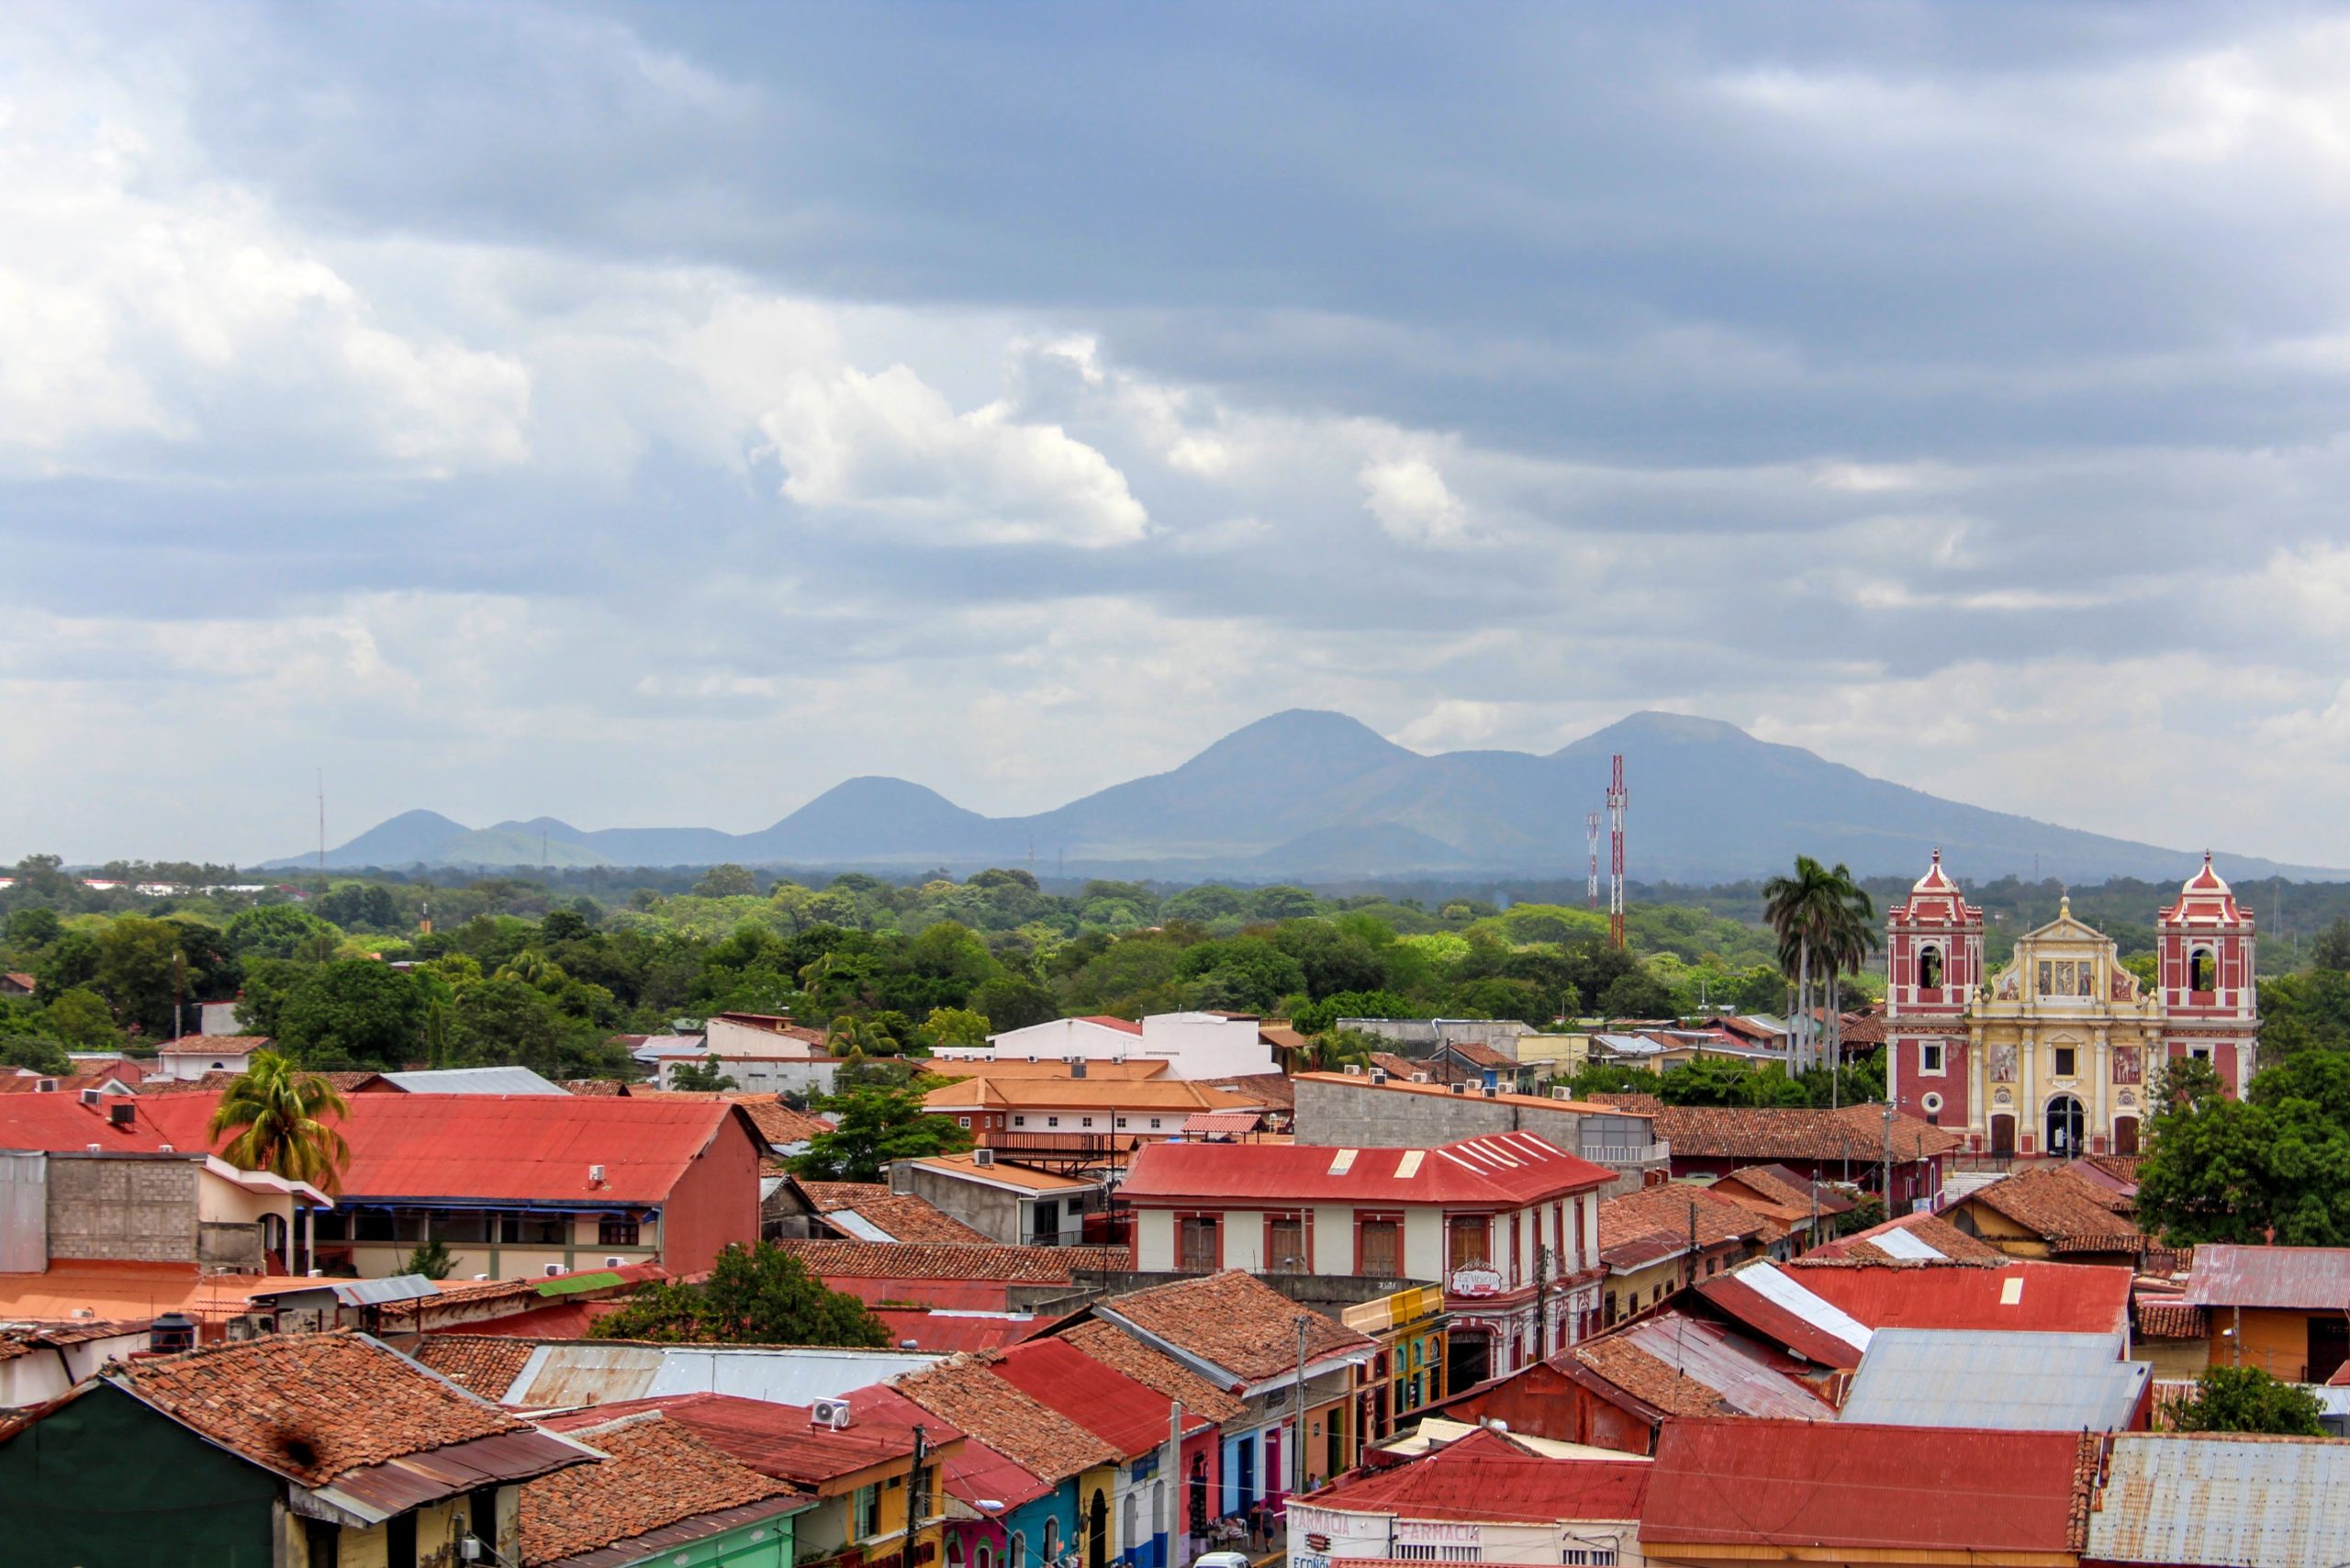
(2027, 1097)
(2104, 1126)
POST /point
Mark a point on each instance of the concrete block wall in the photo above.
(141, 1211)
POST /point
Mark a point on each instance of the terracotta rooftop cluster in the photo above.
(655, 1471)
(1237, 1322)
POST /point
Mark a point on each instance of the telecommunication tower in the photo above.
(1590, 889)
(1616, 801)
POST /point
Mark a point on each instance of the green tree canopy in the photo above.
(279, 1114)
(754, 1295)
(352, 1011)
(878, 1124)
(2246, 1399)
(705, 1076)
(282, 931)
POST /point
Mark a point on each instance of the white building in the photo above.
(191, 1055)
(1192, 1044)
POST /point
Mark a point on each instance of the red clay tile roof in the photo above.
(1804, 1485)
(902, 1216)
(1486, 1476)
(1782, 1133)
(962, 1389)
(977, 1475)
(655, 1472)
(778, 1123)
(1665, 1212)
(217, 1083)
(1233, 1321)
(923, 1261)
(2060, 1208)
(1788, 1188)
(2174, 1320)
(1273, 1091)
(597, 1088)
(1161, 1373)
(486, 1363)
(1479, 1053)
(1498, 1170)
(212, 1046)
(521, 1148)
(312, 1407)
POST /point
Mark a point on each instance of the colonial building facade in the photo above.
(2054, 1053)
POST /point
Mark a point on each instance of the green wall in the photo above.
(106, 1482)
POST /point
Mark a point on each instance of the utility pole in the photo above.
(1297, 1462)
(915, 1490)
(1888, 1155)
(1541, 1302)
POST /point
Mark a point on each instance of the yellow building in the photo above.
(2061, 1043)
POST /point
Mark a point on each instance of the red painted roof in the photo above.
(1812, 1484)
(2048, 1298)
(774, 1439)
(1123, 1026)
(1105, 1402)
(947, 1331)
(1739, 1298)
(61, 1123)
(511, 1147)
(1503, 1170)
(1486, 1476)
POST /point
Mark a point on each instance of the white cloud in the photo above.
(890, 445)
(1412, 503)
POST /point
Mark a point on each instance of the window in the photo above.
(1469, 1235)
(1052, 1121)
(533, 1230)
(1929, 967)
(1087, 1122)
(1593, 1556)
(1930, 1057)
(962, 1121)
(2202, 970)
(1198, 1249)
(865, 1513)
(1154, 1124)
(458, 1225)
(1052, 1539)
(2066, 1059)
(400, 1541)
(1413, 1552)
(1119, 1122)
(1379, 1248)
(616, 1231)
(1019, 1120)
(330, 1225)
(2199, 1053)
(1017, 1550)
(1932, 1103)
(1285, 1244)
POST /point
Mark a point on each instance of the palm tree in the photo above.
(1802, 912)
(276, 1109)
(1849, 937)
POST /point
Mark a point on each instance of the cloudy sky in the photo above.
(652, 416)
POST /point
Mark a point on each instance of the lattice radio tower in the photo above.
(1616, 800)
(1590, 889)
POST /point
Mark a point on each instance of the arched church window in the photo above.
(1930, 967)
(2202, 970)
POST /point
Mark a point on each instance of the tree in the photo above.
(877, 1125)
(1708, 1081)
(2275, 1169)
(1316, 1016)
(704, 1077)
(354, 1010)
(1247, 974)
(139, 970)
(432, 1260)
(954, 1026)
(277, 1110)
(1801, 911)
(503, 1021)
(2330, 950)
(754, 1295)
(1011, 1002)
(35, 1052)
(727, 881)
(81, 1018)
(1638, 994)
(2246, 1399)
(34, 927)
(282, 931)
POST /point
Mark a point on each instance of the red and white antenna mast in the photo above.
(1590, 889)
(1616, 801)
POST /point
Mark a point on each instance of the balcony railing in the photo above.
(1630, 1153)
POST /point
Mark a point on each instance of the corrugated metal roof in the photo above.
(377, 1292)
(2307, 1279)
(2062, 1298)
(601, 1373)
(475, 1081)
(1902, 1244)
(1997, 1381)
(2257, 1502)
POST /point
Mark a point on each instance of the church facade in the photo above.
(2055, 1053)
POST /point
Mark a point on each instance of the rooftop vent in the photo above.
(594, 1175)
(94, 1149)
(165, 1148)
(984, 1157)
(481, 1276)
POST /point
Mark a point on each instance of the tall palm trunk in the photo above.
(1803, 1005)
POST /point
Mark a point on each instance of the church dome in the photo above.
(1936, 880)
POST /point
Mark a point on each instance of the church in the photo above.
(2056, 1052)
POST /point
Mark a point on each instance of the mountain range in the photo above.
(1318, 796)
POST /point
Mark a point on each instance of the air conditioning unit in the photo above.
(165, 1148)
(122, 1116)
(1378, 1074)
(1421, 1078)
(833, 1413)
(984, 1157)
(1562, 1093)
(1354, 1070)
(554, 1270)
(481, 1276)
(1460, 1088)
(91, 1096)
(615, 1262)
(1491, 1092)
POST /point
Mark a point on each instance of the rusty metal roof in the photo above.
(380, 1490)
(2295, 1279)
(2257, 1502)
